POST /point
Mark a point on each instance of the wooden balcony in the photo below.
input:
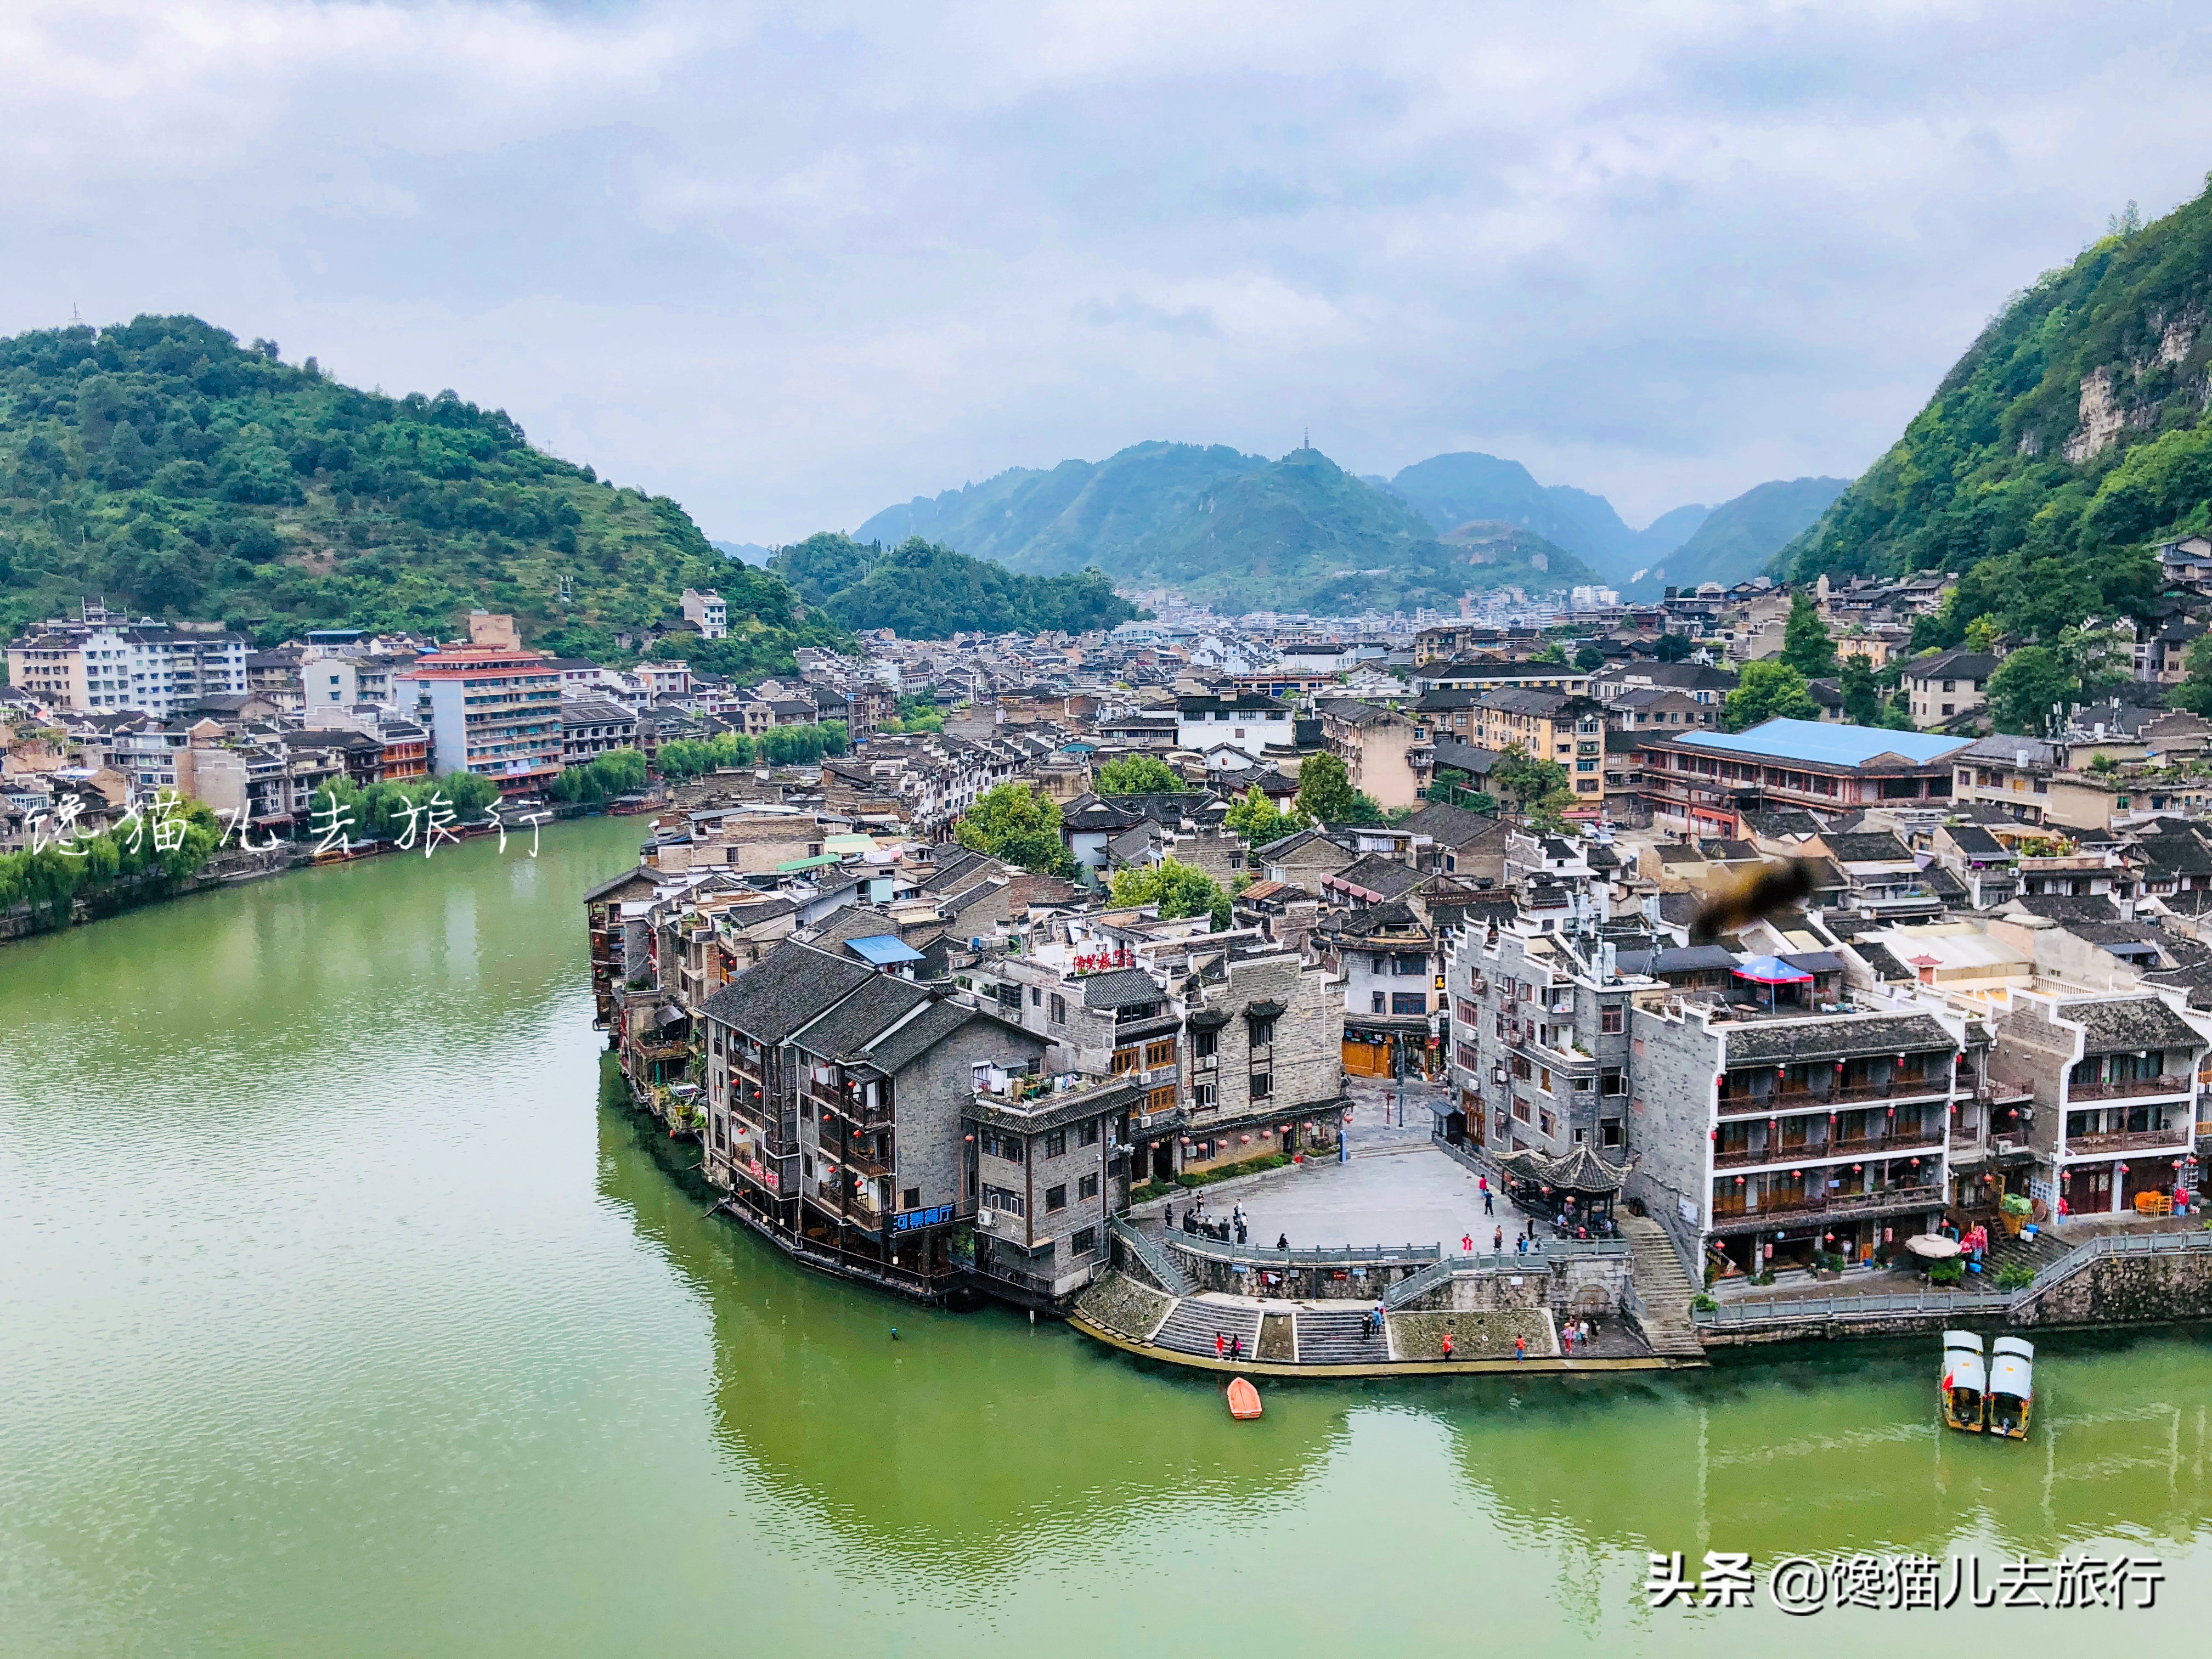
(1779, 1101)
(2173, 1138)
(1826, 1151)
(2130, 1088)
(1844, 1207)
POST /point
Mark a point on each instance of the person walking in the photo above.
(1237, 1346)
(1466, 1243)
(1520, 1347)
(1220, 1345)
(1488, 1209)
(1282, 1241)
(1447, 1344)
(1520, 1245)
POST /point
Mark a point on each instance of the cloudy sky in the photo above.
(791, 265)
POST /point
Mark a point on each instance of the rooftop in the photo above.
(1817, 742)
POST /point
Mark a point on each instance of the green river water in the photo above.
(337, 1315)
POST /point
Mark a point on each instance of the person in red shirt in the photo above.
(1447, 1344)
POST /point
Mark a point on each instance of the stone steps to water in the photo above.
(1659, 1285)
(1338, 1337)
(1191, 1327)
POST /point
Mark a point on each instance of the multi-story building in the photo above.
(1947, 685)
(1703, 782)
(2114, 1081)
(1382, 755)
(1502, 677)
(1768, 1133)
(491, 709)
(1391, 971)
(706, 612)
(1248, 722)
(592, 725)
(1540, 1056)
(105, 665)
(1552, 726)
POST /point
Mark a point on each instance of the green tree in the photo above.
(2195, 693)
(1806, 646)
(1589, 659)
(2029, 690)
(1555, 652)
(1136, 774)
(1982, 633)
(1528, 780)
(1020, 824)
(1325, 790)
(1769, 691)
(1256, 816)
(1179, 889)
(1672, 647)
(1862, 698)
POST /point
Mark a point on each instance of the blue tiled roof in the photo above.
(1821, 744)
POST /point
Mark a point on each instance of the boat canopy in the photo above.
(1962, 1363)
(2013, 1371)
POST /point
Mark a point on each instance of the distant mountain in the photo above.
(1739, 538)
(2071, 437)
(1299, 532)
(1456, 488)
(744, 552)
(925, 591)
(161, 465)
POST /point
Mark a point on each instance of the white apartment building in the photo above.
(102, 666)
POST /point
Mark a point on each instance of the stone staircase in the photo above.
(1661, 1287)
(1339, 1338)
(1191, 1327)
(1156, 1259)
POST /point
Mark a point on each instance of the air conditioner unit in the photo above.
(986, 1218)
(1498, 1074)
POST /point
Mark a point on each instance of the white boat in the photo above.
(1963, 1397)
(2012, 1387)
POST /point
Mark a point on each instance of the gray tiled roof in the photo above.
(1831, 1039)
(846, 1028)
(790, 985)
(2114, 1024)
(1125, 987)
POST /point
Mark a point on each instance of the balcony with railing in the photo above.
(2172, 1138)
(1767, 1102)
(2129, 1088)
(1832, 1149)
(1731, 1212)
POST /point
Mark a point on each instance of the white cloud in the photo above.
(792, 264)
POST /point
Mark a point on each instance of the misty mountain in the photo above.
(1739, 537)
(1449, 490)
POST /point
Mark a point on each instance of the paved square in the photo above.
(1419, 1196)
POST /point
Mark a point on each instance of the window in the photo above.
(1544, 1078)
(1608, 1132)
(1263, 1084)
(999, 1146)
(1087, 1188)
(1409, 1002)
(1086, 1134)
(910, 1199)
(1002, 1198)
(1375, 1002)
(1083, 1241)
(1613, 1019)
(1036, 995)
(1547, 1123)
(1159, 1053)
(1263, 1033)
(1614, 1082)
(1520, 1109)
(1201, 1096)
(1059, 1009)
(1125, 1062)
(1055, 1144)
(1522, 1067)
(1056, 1198)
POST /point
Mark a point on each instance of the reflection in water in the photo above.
(338, 1315)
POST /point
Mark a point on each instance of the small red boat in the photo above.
(1243, 1400)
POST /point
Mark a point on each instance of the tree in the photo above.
(1769, 691)
(1255, 817)
(1136, 774)
(1179, 889)
(1019, 824)
(1672, 647)
(2097, 656)
(1589, 659)
(1806, 645)
(1325, 790)
(1528, 780)
(1982, 635)
(1555, 652)
(2195, 693)
(1862, 698)
(2028, 692)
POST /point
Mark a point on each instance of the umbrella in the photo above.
(1770, 971)
(1931, 1247)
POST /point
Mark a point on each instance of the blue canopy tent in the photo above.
(1770, 971)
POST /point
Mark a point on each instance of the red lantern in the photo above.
(1796, 1172)
(1855, 1168)
(1739, 1181)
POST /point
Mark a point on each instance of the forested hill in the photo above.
(2068, 441)
(1219, 524)
(163, 466)
(1739, 537)
(925, 592)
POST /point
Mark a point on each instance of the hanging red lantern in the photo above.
(1739, 1181)
(1855, 1168)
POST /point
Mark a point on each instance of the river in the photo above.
(339, 1315)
